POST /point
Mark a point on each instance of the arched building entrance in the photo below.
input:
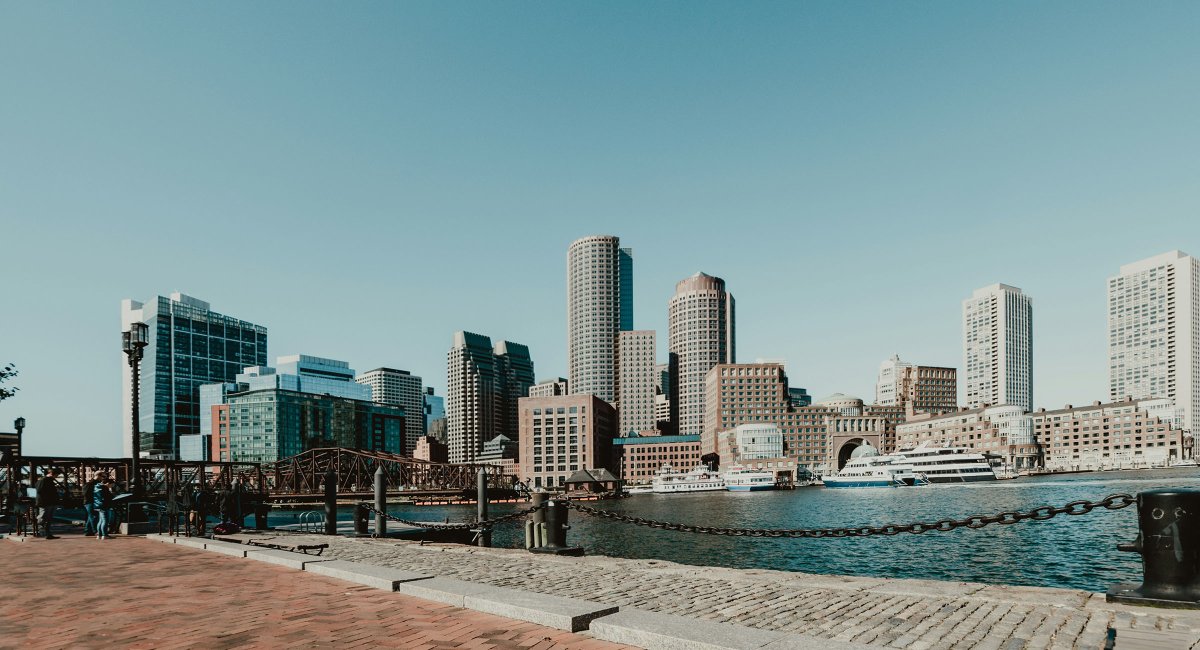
(845, 444)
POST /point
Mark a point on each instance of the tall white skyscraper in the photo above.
(701, 332)
(599, 304)
(636, 381)
(888, 385)
(399, 388)
(1154, 332)
(998, 347)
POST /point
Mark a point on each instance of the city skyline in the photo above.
(850, 186)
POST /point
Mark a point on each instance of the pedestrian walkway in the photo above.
(79, 592)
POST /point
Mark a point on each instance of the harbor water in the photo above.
(1067, 551)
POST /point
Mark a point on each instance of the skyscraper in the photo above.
(435, 409)
(190, 345)
(636, 381)
(1154, 332)
(599, 304)
(701, 333)
(998, 347)
(483, 385)
(399, 388)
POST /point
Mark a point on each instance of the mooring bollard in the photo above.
(555, 541)
(260, 515)
(481, 499)
(380, 503)
(360, 519)
(330, 502)
(534, 527)
(1169, 543)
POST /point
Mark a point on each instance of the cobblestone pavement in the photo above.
(78, 592)
(916, 614)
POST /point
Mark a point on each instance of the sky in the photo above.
(365, 179)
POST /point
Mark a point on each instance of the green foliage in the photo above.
(6, 373)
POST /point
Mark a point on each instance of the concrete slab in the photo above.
(802, 642)
(380, 577)
(226, 548)
(644, 629)
(284, 558)
(159, 537)
(17, 538)
(443, 590)
(191, 542)
(570, 614)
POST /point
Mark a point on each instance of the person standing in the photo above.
(171, 510)
(101, 499)
(48, 500)
(89, 525)
(201, 501)
(185, 508)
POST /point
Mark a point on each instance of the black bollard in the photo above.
(260, 515)
(481, 501)
(330, 502)
(556, 531)
(1169, 543)
(360, 520)
(380, 503)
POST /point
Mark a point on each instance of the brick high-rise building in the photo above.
(923, 389)
(563, 434)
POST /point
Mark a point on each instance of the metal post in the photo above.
(330, 502)
(556, 531)
(539, 499)
(19, 425)
(1169, 543)
(481, 499)
(360, 519)
(380, 503)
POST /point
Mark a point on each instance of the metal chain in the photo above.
(974, 522)
(468, 525)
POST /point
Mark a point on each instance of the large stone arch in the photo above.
(844, 444)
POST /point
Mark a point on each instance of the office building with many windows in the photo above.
(599, 304)
(636, 382)
(399, 388)
(483, 386)
(998, 347)
(564, 434)
(701, 334)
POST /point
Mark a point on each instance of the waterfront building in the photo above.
(853, 424)
(189, 345)
(1154, 332)
(502, 452)
(639, 458)
(924, 389)
(635, 381)
(757, 441)
(1005, 431)
(662, 412)
(1127, 434)
(484, 384)
(599, 304)
(399, 388)
(998, 347)
(550, 388)
(435, 409)
(563, 434)
(431, 449)
(701, 333)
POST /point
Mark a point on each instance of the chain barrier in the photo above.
(974, 522)
(468, 525)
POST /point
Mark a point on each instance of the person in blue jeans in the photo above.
(89, 525)
(101, 500)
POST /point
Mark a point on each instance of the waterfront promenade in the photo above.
(136, 592)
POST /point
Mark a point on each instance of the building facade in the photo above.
(701, 334)
(431, 449)
(638, 458)
(1129, 434)
(599, 304)
(636, 381)
(399, 388)
(550, 388)
(1004, 431)
(484, 386)
(921, 389)
(998, 347)
(189, 345)
(561, 435)
(1154, 332)
(435, 411)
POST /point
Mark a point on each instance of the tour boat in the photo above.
(741, 479)
(945, 464)
(698, 479)
(873, 470)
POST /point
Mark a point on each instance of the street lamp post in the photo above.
(133, 342)
(19, 425)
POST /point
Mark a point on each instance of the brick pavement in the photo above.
(129, 592)
(916, 614)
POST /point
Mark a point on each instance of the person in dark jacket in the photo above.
(48, 500)
(89, 524)
(186, 505)
(227, 498)
(201, 500)
(101, 499)
(172, 508)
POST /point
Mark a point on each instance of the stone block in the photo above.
(160, 537)
(443, 590)
(191, 542)
(645, 629)
(380, 577)
(803, 642)
(284, 558)
(226, 548)
(570, 614)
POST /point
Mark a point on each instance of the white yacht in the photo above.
(639, 489)
(945, 464)
(698, 479)
(743, 479)
(866, 468)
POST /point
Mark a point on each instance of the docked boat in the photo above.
(866, 468)
(639, 489)
(742, 479)
(698, 479)
(945, 464)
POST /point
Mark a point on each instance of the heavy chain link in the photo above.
(974, 522)
(466, 525)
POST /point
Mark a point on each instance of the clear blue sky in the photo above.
(365, 179)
